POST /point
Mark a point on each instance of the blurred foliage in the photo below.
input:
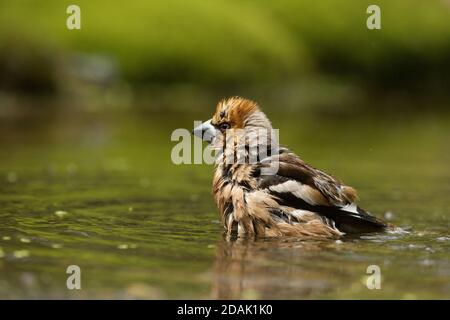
(232, 42)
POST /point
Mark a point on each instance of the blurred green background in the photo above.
(296, 54)
(86, 116)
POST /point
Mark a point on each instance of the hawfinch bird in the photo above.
(265, 190)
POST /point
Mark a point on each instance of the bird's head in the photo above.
(234, 114)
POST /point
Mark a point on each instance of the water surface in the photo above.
(100, 191)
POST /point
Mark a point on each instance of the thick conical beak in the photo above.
(205, 131)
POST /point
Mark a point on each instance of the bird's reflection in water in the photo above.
(271, 268)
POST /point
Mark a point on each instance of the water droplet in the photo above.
(427, 262)
(11, 177)
(25, 240)
(6, 238)
(122, 246)
(61, 213)
(388, 215)
(19, 254)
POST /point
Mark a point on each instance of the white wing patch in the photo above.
(351, 208)
(299, 214)
(297, 189)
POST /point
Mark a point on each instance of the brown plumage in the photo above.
(276, 194)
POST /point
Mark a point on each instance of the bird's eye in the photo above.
(224, 126)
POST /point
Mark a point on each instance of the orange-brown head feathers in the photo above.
(239, 113)
(236, 113)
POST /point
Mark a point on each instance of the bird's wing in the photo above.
(298, 185)
(294, 175)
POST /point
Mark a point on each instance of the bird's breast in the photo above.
(230, 185)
